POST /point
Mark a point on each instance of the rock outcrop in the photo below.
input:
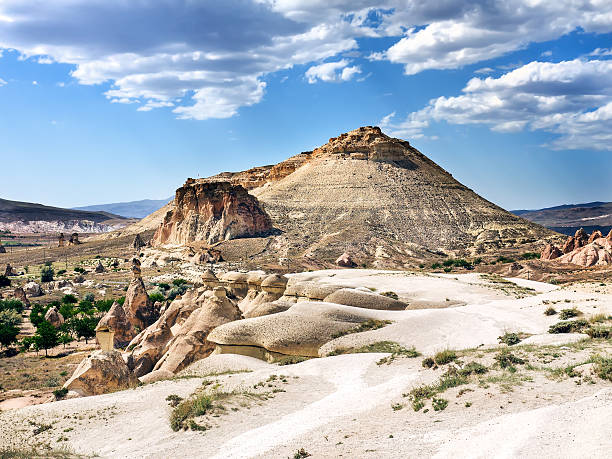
(179, 336)
(99, 268)
(138, 243)
(99, 373)
(137, 306)
(54, 317)
(20, 295)
(33, 289)
(550, 252)
(301, 330)
(116, 319)
(582, 250)
(211, 212)
(345, 261)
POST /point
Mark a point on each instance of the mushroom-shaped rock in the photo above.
(116, 320)
(265, 309)
(274, 283)
(99, 373)
(550, 252)
(255, 278)
(367, 300)
(235, 283)
(345, 261)
(301, 330)
(209, 280)
(138, 307)
(99, 267)
(54, 317)
(20, 295)
(33, 289)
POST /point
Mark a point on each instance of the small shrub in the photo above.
(428, 362)
(78, 269)
(569, 326)
(60, 272)
(69, 299)
(509, 339)
(164, 286)
(291, 360)
(445, 357)
(60, 393)
(157, 296)
(550, 311)
(598, 318)
(599, 332)
(436, 266)
(507, 359)
(448, 269)
(569, 313)
(397, 406)
(301, 454)
(90, 297)
(46, 274)
(502, 259)
(439, 404)
(173, 400)
(530, 256)
(179, 282)
(603, 367)
(473, 368)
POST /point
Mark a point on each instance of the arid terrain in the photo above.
(354, 300)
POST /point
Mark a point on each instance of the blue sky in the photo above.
(107, 101)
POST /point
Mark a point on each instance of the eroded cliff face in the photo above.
(211, 212)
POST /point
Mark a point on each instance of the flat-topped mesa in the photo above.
(211, 212)
(366, 142)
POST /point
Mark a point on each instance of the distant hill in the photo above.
(568, 218)
(28, 217)
(132, 209)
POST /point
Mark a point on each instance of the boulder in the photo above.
(367, 300)
(301, 330)
(20, 295)
(345, 261)
(190, 342)
(63, 283)
(99, 373)
(550, 252)
(253, 280)
(33, 289)
(54, 317)
(212, 212)
(99, 268)
(118, 322)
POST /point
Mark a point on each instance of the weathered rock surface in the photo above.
(20, 294)
(576, 241)
(265, 309)
(345, 261)
(301, 330)
(367, 300)
(137, 306)
(116, 319)
(99, 268)
(54, 317)
(550, 252)
(212, 212)
(33, 289)
(99, 373)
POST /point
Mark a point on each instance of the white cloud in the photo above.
(35, 83)
(484, 70)
(601, 52)
(572, 99)
(332, 72)
(2, 82)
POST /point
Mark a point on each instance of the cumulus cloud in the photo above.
(208, 59)
(332, 71)
(572, 99)
(2, 82)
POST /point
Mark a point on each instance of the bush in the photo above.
(60, 393)
(473, 368)
(502, 259)
(46, 274)
(439, 404)
(187, 409)
(89, 297)
(12, 304)
(176, 291)
(445, 357)
(507, 359)
(69, 299)
(603, 367)
(569, 313)
(530, 256)
(179, 282)
(163, 286)
(570, 326)
(599, 332)
(436, 266)
(78, 269)
(4, 281)
(550, 311)
(103, 305)
(156, 296)
(61, 271)
(510, 339)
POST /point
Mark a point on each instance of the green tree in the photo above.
(65, 338)
(85, 327)
(46, 274)
(37, 315)
(69, 299)
(9, 326)
(46, 336)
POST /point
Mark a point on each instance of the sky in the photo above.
(113, 100)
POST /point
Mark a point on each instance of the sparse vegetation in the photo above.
(390, 295)
(506, 360)
(371, 324)
(570, 326)
(509, 339)
(550, 311)
(395, 349)
(530, 256)
(569, 313)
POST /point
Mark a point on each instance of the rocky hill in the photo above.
(569, 218)
(26, 217)
(131, 209)
(371, 195)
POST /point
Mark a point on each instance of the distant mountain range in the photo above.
(568, 218)
(132, 209)
(28, 217)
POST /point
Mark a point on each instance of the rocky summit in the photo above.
(373, 197)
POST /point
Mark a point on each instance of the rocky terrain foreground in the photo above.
(352, 363)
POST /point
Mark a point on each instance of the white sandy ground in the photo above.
(341, 406)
